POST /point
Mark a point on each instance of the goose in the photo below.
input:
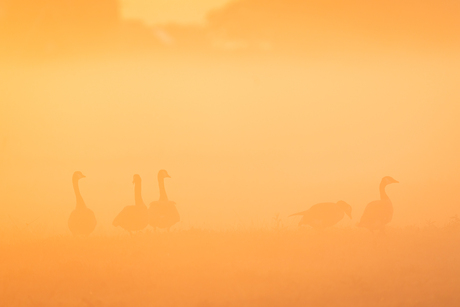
(82, 220)
(133, 218)
(324, 214)
(378, 213)
(163, 213)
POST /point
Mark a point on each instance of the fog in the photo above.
(151, 159)
(243, 138)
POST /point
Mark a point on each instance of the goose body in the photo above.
(82, 220)
(163, 212)
(378, 213)
(133, 218)
(324, 214)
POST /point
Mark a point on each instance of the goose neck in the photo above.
(80, 202)
(383, 193)
(161, 183)
(138, 194)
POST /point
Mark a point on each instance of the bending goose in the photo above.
(378, 213)
(324, 214)
(82, 220)
(163, 212)
(133, 218)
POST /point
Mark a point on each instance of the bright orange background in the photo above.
(257, 109)
(244, 137)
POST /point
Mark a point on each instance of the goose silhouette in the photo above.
(378, 213)
(324, 214)
(133, 218)
(163, 212)
(82, 220)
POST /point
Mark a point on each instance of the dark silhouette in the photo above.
(82, 220)
(133, 218)
(163, 213)
(324, 214)
(379, 212)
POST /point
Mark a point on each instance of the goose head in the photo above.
(346, 207)
(78, 175)
(388, 180)
(136, 179)
(163, 174)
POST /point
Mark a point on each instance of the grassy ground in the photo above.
(267, 267)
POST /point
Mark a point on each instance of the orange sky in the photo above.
(163, 11)
(242, 138)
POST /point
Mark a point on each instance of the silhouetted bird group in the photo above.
(163, 213)
(376, 215)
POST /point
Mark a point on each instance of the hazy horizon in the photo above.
(243, 142)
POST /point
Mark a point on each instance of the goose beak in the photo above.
(83, 176)
(396, 181)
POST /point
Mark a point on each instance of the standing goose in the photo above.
(163, 212)
(82, 220)
(378, 213)
(133, 218)
(324, 214)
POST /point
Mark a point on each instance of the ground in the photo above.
(412, 266)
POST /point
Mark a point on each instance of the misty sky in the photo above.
(244, 136)
(163, 11)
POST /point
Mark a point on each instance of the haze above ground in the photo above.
(242, 142)
(269, 108)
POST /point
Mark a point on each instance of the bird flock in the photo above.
(163, 214)
(376, 215)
